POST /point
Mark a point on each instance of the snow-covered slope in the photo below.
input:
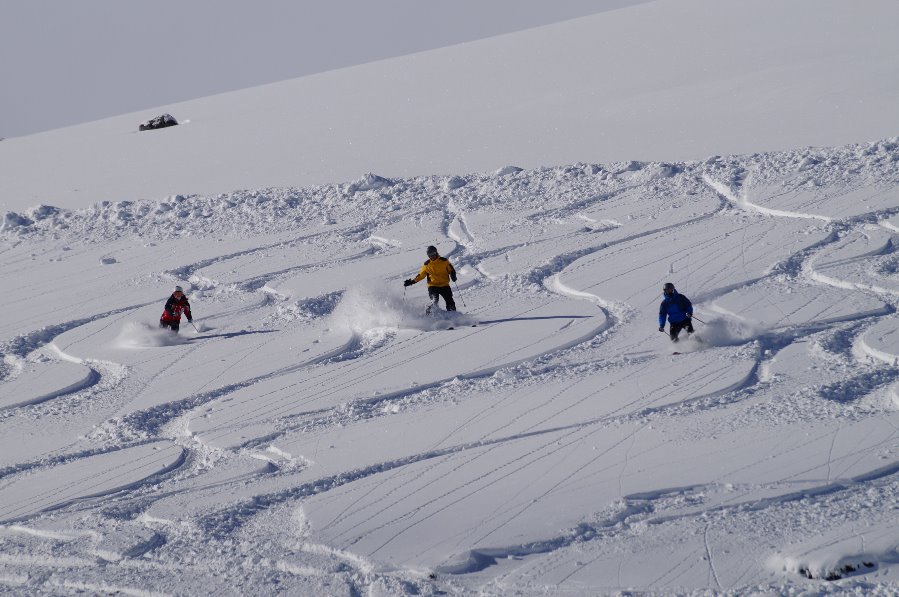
(319, 435)
(659, 80)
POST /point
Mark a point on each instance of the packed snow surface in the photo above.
(317, 433)
(652, 80)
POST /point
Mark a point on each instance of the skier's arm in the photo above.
(452, 271)
(662, 314)
(421, 274)
(168, 306)
(187, 310)
(688, 307)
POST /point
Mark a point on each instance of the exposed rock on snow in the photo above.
(159, 122)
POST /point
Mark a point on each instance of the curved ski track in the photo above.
(169, 420)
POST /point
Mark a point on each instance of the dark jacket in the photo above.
(174, 308)
(677, 308)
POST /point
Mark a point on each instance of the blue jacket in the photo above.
(677, 308)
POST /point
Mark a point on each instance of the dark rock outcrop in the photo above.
(160, 122)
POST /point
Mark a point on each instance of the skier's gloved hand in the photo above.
(661, 328)
(453, 276)
(189, 318)
(408, 282)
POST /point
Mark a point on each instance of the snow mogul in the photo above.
(174, 307)
(439, 271)
(677, 309)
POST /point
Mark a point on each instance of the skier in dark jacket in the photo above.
(174, 307)
(677, 309)
(439, 271)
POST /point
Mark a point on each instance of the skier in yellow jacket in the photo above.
(439, 271)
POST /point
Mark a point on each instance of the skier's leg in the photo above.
(690, 326)
(434, 295)
(674, 330)
(447, 294)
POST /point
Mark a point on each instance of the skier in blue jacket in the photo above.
(677, 309)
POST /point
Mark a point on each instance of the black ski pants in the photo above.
(435, 292)
(676, 328)
(172, 326)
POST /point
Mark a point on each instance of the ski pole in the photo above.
(460, 295)
(195, 326)
(697, 319)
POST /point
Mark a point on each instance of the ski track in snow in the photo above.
(390, 507)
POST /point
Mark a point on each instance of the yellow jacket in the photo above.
(437, 271)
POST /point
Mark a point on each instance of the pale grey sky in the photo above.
(65, 62)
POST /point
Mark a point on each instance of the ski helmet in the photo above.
(178, 289)
(431, 250)
(668, 287)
